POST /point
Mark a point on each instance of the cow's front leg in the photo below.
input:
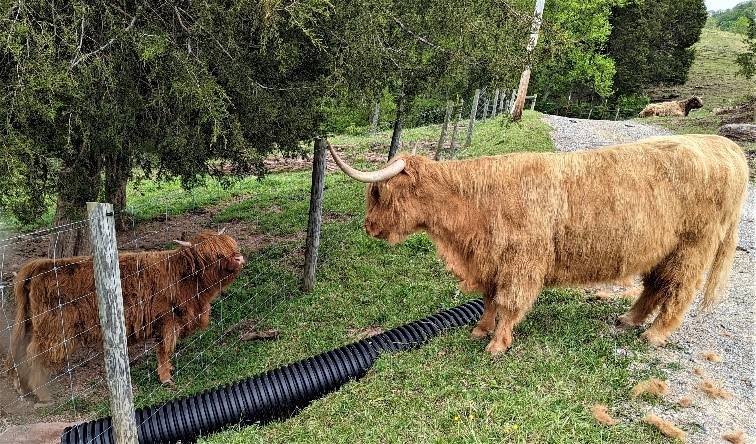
(487, 319)
(511, 304)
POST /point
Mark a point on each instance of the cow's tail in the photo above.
(21, 334)
(720, 268)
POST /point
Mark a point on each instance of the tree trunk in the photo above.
(79, 183)
(117, 167)
(396, 137)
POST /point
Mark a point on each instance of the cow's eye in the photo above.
(374, 194)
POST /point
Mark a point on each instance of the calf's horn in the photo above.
(384, 173)
(183, 243)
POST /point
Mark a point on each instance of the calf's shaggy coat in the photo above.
(675, 108)
(664, 208)
(166, 295)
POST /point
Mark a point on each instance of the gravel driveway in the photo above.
(729, 330)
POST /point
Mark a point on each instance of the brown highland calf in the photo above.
(166, 295)
(664, 208)
(675, 108)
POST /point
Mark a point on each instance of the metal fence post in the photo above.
(107, 276)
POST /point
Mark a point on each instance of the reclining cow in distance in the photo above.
(665, 208)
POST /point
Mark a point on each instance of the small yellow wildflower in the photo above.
(471, 416)
(514, 426)
(456, 418)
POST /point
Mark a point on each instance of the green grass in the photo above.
(563, 361)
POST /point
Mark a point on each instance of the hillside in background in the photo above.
(734, 20)
(713, 76)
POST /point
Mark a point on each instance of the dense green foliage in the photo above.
(623, 49)
(97, 94)
(91, 90)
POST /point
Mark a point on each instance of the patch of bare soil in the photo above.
(741, 113)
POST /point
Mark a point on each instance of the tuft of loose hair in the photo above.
(603, 295)
(632, 293)
(698, 371)
(666, 427)
(711, 356)
(735, 437)
(600, 412)
(715, 389)
(651, 386)
(685, 401)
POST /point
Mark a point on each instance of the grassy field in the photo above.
(567, 356)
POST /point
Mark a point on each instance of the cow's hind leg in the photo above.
(676, 281)
(42, 357)
(487, 320)
(649, 300)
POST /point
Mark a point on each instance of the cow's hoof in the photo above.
(625, 321)
(478, 333)
(653, 339)
(496, 348)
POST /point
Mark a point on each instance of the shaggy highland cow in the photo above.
(166, 295)
(664, 208)
(667, 109)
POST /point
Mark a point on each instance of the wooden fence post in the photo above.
(444, 129)
(473, 115)
(455, 131)
(495, 102)
(316, 214)
(107, 276)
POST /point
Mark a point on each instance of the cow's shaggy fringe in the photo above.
(166, 295)
(651, 386)
(674, 108)
(666, 427)
(684, 402)
(600, 412)
(714, 389)
(665, 208)
(735, 436)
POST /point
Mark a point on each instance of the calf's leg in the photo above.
(166, 345)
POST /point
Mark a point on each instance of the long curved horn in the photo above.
(221, 231)
(384, 173)
(183, 243)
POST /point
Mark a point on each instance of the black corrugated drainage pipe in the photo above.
(274, 394)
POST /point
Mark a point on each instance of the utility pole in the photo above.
(522, 91)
